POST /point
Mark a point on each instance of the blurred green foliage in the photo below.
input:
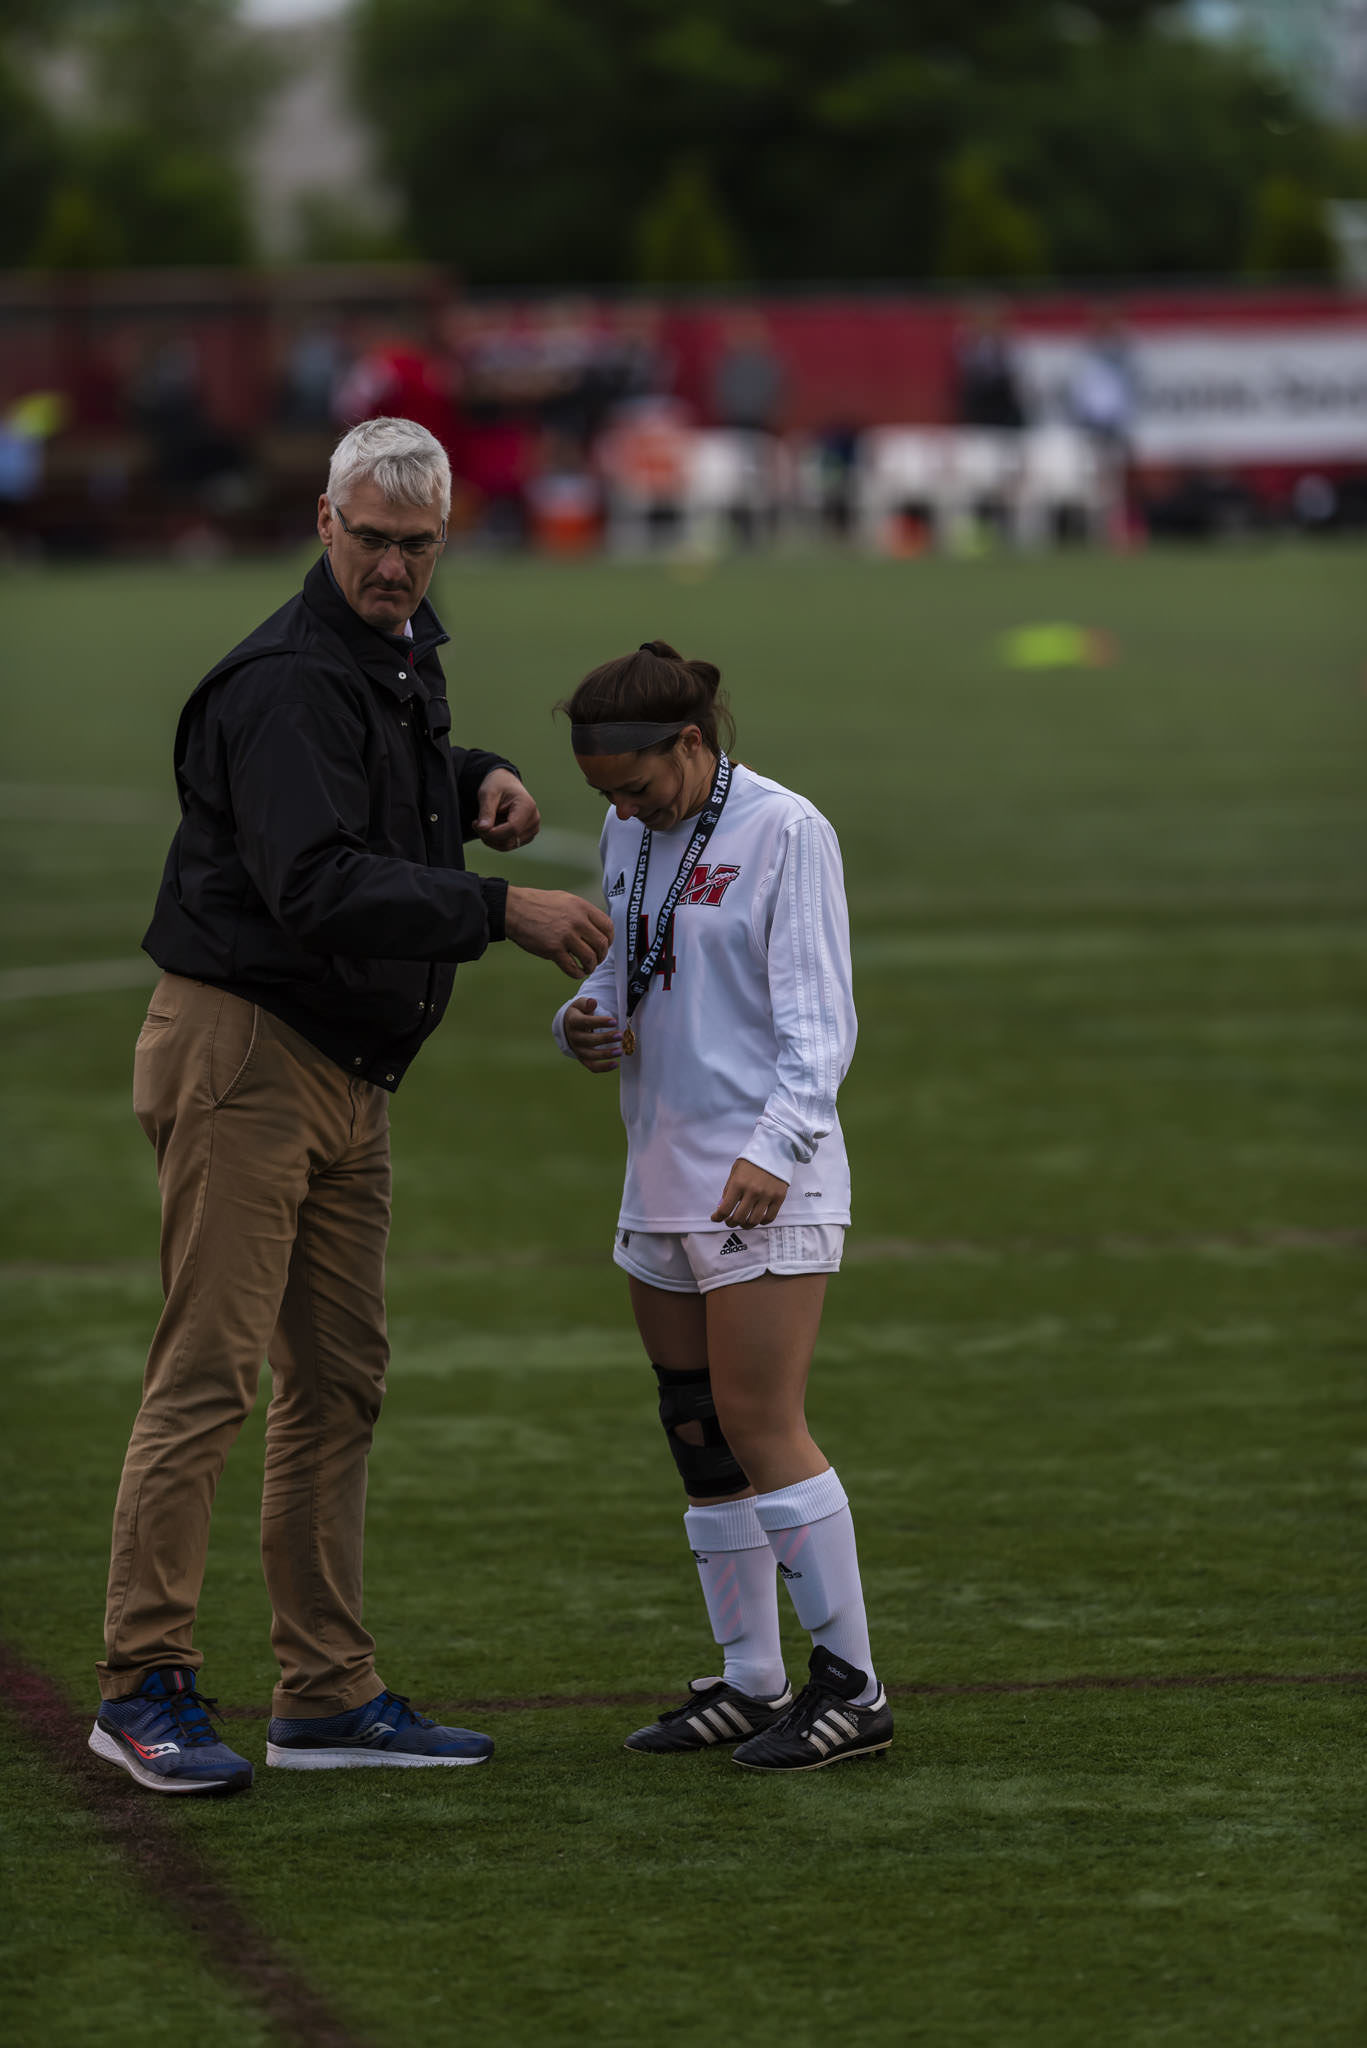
(683, 236)
(561, 141)
(706, 142)
(122, 122)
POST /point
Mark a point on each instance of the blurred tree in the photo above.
(140, 160)
(76, 231)
(1144, 162)
(683, 237)
(124, 204)
(538, 141)
(984, 233)
(1290, 235)
(188, 73)
(30, 160)
(330, 232)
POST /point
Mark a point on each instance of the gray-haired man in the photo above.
(313, 909)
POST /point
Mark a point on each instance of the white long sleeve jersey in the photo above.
(748, 1026)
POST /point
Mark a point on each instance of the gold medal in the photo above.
(628, 1041)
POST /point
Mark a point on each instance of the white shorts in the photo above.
(696, 1261)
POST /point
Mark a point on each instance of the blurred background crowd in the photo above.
(890, 272)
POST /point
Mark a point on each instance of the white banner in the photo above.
(1217, 395)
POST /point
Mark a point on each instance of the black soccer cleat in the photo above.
(713, 1712)
(822, 1726)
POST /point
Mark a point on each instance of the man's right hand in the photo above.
(556, 925)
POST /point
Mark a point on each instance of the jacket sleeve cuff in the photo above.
(495, 892)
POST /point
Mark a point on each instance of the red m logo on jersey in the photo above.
(709, 884)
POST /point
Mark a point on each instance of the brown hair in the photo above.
(655, 685)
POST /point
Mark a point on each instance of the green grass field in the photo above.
(1092, 1374)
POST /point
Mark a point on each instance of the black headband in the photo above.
(627, 736)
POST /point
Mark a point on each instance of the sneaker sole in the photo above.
(846, 1756)
(358, 1760)
(113, 1752)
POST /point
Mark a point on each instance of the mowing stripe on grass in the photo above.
(872, 1251)
(911, 1688)
(80, 803)
(178, 1879)
(1042, 945)
(76, 978)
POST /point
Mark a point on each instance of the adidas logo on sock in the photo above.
(734, 1243)
(784, 1572)
(619, 887)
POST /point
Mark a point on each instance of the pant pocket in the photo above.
(232, 1049)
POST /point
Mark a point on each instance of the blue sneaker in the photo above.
(161, 1735)
(386, 1730)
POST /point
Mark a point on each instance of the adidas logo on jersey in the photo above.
(734, 1243)
(619, 887)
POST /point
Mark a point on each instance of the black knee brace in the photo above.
(709, 1469)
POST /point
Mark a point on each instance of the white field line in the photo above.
(74, 803)
(1036, 949)
(570, 849)
(65, 803)
(77, 803)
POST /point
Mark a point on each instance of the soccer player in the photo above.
(724, 1005)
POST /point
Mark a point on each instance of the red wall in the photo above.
(850, 359)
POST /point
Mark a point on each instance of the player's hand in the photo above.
(751, 1196)
(592, 1036)
(556, 925)
(508, 816)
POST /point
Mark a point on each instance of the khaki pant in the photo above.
(273, 1166)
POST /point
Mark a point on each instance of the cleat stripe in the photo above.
(735, 1717)
(702, 1728)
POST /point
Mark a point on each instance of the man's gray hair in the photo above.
(409, 465)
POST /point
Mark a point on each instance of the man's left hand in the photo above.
(508, 816)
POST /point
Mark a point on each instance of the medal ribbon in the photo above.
(638, 980)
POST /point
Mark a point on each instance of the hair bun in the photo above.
(661, 649)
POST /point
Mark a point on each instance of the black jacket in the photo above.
(317, 869)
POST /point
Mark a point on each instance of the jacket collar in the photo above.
(382, 656)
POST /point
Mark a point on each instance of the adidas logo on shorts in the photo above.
(734, 1243)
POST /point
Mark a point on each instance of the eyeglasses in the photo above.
(416, 549)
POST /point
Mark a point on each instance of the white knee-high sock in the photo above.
(740, 1586)
(811, 1533)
